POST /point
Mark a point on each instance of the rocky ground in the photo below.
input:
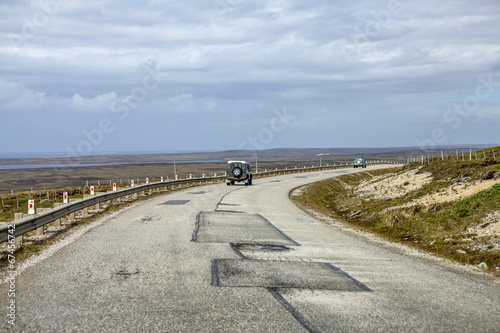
(393, 186)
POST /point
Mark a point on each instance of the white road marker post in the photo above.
(31, 207)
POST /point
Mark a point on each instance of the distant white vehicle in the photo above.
(238, 171)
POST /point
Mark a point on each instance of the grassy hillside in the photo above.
(449, 207)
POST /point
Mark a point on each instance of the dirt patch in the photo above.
(393, 186)
(489, 227)
(453, 193)
(457, 191)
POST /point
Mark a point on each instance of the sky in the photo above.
(86, 77)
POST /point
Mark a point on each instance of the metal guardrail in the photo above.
(30, 223)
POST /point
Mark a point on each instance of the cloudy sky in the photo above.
(85, 77)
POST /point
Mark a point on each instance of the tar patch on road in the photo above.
(282, 274)
(259, 248)
(175, 202)
(125, 274)
(230, 227)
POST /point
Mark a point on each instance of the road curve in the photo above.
(236, 258)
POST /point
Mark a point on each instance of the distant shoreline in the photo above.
(345, 150)
(51, 166)
(29, 155)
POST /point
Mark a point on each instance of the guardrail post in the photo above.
(39, 231)
(19, 239)
(57, 223)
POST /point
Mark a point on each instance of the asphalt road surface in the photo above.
(244, 258)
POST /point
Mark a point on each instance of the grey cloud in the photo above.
(14, 96)
(218, 58)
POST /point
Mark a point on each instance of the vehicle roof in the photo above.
(236, 162)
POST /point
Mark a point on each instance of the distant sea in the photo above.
(113, 153)
(105, 153)
(44, 166)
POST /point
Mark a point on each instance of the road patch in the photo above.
(241, 228)
(175, 202)
(282, 274)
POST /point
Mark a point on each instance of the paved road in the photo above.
(236, 258)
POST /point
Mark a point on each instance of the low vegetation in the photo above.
(449, 207)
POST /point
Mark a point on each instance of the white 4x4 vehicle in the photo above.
(238, 171)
